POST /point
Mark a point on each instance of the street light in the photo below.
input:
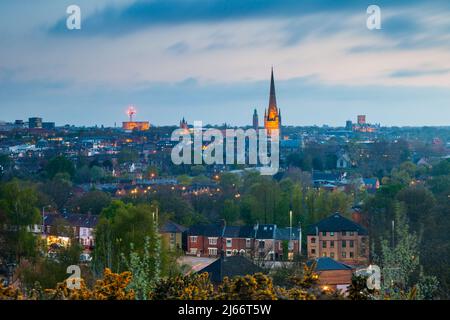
(290, 233)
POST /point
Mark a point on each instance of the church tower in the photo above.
(255, 120)
(272, 117)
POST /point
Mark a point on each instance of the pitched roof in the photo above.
(285, 234)
(172, 227)
(336, 223)
(266, 231)
(230, 267)
(328, 264)
(73, 219)
(239, 232)
(208, 230)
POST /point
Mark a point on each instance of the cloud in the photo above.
(418, 73)
(119, 20)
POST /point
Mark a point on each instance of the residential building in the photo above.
(338, 238)
(333, 275)
(172, 234)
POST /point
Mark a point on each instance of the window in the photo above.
(194, 239)
(229, 253)
(352, 244)
(352, 233)
(248, 243)
(193, 250)
(331, 234)
(332, 255)
(344, 255)
(352, 255)
(344, 244)
(324, 233)
(324, 254)
(313, 240)
(212, 241)
(261, 244)
(324, 244)
(313, 251)
(229, 243)
(212, 251)
(331, 244)
(344, 233)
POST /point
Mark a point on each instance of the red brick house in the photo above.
(333, 275)
(238, 240)
(205, 240)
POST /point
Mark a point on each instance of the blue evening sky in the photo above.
(210, 60)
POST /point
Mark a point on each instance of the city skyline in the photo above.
(162, 57)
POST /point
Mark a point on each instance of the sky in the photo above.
(210, 61)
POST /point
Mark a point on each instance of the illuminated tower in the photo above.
(184, 125)
(272, 117)
(255, 120)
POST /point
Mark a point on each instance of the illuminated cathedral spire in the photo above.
(272, 118)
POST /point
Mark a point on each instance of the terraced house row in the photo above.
(335, 237)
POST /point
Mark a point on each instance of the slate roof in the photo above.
(172, 227)
(239, 232)
(73, 219)
(336, 223)
(208, 230)
(230, 267)
(284, 234)
(266, 231)
(328, 264)
(325, 176)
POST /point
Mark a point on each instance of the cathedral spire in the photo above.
(273, 98)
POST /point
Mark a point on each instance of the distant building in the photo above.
(363, 126)
(343, 161)
(132, 125)
(361, 120)
(338, 238)
(255, 120)
(349, 125)
(19, 124)
(136, 125)
(184, 124)
(48, 125)
(272, 116)
(371, 184)
(35, 123)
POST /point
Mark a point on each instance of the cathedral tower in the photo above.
(255, 120)
(272, 117)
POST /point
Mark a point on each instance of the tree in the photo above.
(94, 202)
(121, 225)
(400, 266)
(18, 211)
(59, 164)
